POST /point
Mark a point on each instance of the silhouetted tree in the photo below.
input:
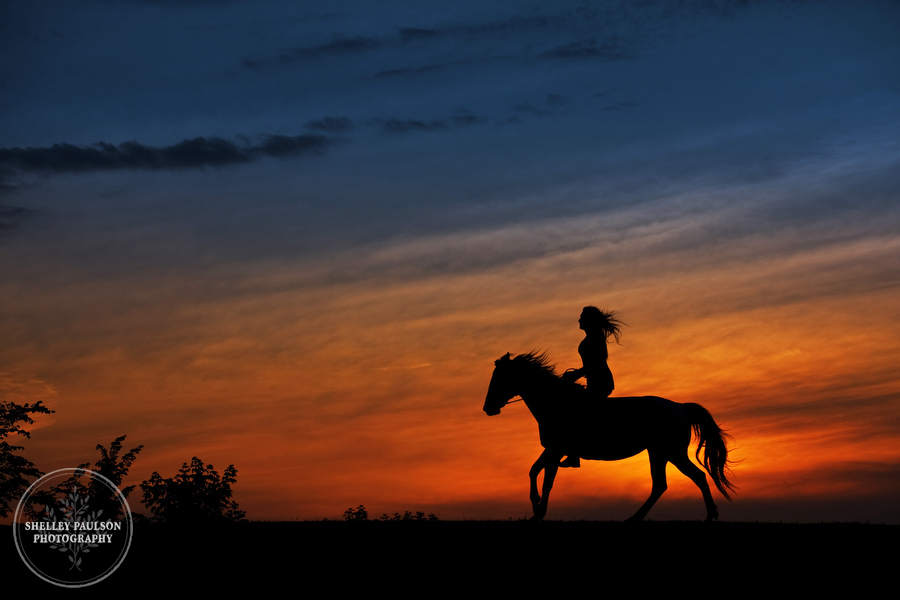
(356, 514)
(111, 466)
(195, 494)
(15, 470)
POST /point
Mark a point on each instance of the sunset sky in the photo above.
(294, 236)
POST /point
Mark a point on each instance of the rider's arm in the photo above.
(573, 374)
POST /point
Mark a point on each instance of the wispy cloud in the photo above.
(588, 49)
(620, 105)
(460, 118)
(391, 126)
(552, 106)
(339, 45)
(342, 44)
(11, 215)
(330, 124)
(195, 153)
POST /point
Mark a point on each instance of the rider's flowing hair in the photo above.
(603, 322)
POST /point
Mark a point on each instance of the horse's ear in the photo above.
(501, 359)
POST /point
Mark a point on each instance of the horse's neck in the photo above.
(541, 398)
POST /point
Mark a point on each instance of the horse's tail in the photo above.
(713, 441)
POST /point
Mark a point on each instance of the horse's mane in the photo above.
(539, 361)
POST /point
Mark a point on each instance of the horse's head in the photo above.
(500, 390)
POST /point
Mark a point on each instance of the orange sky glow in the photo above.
(326, 397)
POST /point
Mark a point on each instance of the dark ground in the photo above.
(418, 558)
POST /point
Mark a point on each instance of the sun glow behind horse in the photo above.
(612, 429)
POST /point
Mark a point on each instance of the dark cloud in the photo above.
(282, 146)
(587, 49)
(10, 216)
(411, 70)
(620, 105)
(618, 22)
(464, 118)
(505, 26)
(342, 44)
(460, 118)
(196, 153)
(339, 45)
(330, 124)
(7, 211)
(189, 2)
(556, 100)
(390, 126)
(552, 105)
(416, 33)
(529, 108)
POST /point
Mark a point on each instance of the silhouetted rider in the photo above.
(599, 327)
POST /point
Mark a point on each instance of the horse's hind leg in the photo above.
(658, 473)
(695, 474)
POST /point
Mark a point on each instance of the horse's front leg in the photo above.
(548, 462)
(536, 469)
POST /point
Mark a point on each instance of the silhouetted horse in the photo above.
(611, 429)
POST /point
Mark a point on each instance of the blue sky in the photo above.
(470, 107)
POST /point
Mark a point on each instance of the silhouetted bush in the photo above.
(356, 514)
(195, 494)
(361, 514)
(408, 516)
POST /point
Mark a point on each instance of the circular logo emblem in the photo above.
(73, 527)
